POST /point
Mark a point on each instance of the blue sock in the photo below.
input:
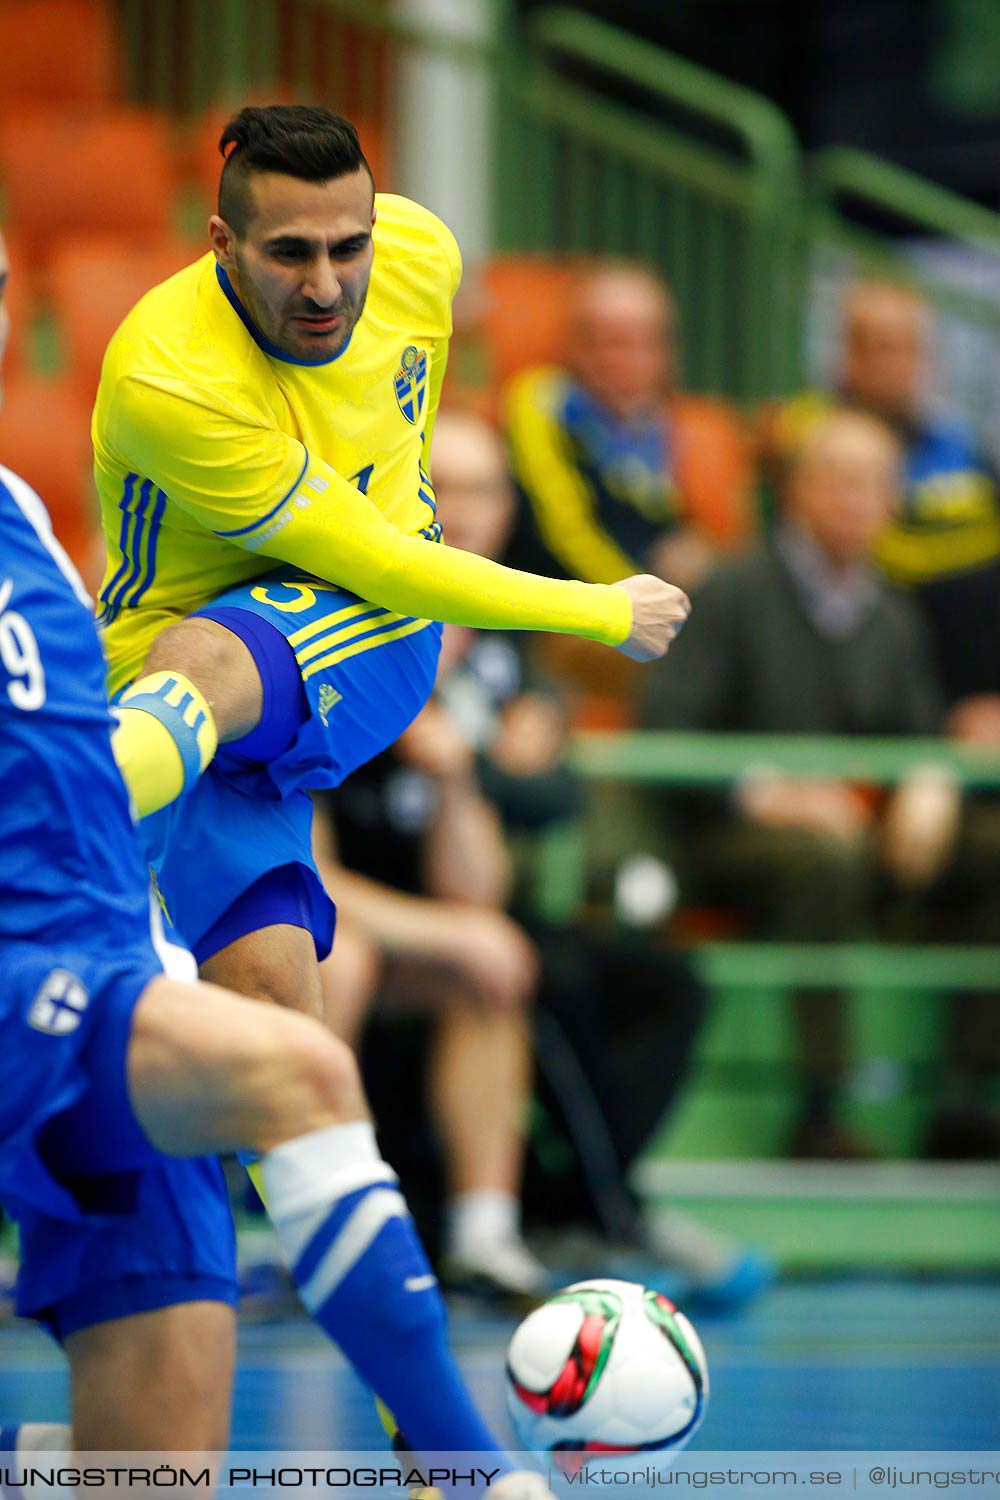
(362, 1273)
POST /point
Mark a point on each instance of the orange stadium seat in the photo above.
(45, 437)
(713, 452)
(525, 300)
(373, 143)
(71, 174)
(56, 53)
(94, 282)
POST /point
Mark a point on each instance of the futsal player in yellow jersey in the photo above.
(275, 567)
(197, 405)
(274, 585)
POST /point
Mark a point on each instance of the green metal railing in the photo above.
(710, 193)
(684, 760)
(843, 182)
(705, 180)
(604, 143)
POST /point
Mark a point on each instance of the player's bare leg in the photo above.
(220, 665)
(276, 963)
(200, 684)
(208, 1072)
(154, 1380)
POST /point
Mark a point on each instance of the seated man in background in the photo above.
(942, 545)
(614, 466)
(425, 818)
(943, 542)
(832, 650)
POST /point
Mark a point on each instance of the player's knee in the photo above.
(280, 983)
(193, 647)
(219, 665)
(319, 1070)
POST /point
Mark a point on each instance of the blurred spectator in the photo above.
(424, 818)
(944, 542)
(944, 546)
(617, 471)
(803, 636)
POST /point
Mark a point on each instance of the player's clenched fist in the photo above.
(658, 611)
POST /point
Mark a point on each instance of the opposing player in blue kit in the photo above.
(112, 1054)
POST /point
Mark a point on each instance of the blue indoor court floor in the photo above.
(840, 1364)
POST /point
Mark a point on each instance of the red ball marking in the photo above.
(536, 1401)
(588, 1341)
(566, 1388)
(570, 1386)
(608, 1448)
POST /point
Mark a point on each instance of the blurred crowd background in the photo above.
(700, 961)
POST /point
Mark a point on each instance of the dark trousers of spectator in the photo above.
(794, 885)
(964, 907)
(616, 1021)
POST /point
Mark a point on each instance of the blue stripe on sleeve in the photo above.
(125, 504)
(244, 530)
(149, 569)
(138, 529)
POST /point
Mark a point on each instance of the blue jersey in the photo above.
(69, 858)
(78, 949)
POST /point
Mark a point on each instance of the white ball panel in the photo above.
(543, 1343)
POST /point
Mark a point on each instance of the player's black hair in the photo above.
(300, 140)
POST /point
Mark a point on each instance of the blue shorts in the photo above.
(108, 1225)
(342, 680)
(163, 1235)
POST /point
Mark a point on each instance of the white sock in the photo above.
(476, 1221)
(342, 1219)
(43, 1437)
(305, 1176)
(34, 1442)
(299, 1173)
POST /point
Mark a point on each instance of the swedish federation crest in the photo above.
(410, 382)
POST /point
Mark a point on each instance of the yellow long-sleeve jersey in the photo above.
(216, 456)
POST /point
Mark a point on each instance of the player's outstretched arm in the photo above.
(260, 489)
(342, 537)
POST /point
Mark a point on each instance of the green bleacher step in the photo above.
(819, 1216)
